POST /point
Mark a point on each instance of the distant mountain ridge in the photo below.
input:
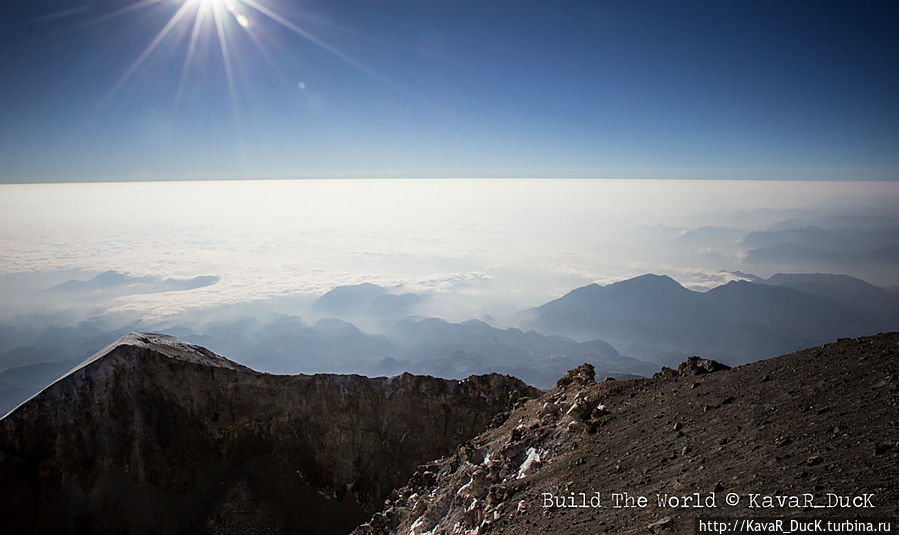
(434, 346)
(654, 317)
(366, 299)
(287, 345)
(115, 283)
(622, 329)
(841, 288)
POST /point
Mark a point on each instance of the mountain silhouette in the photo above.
(653, 317)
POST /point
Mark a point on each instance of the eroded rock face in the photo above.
(468, 491)
(153, 435)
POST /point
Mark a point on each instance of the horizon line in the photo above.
(273, 179)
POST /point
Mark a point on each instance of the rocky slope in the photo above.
(154, 435)
(819, 421)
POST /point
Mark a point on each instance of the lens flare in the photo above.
(211, 21)
(193, 27)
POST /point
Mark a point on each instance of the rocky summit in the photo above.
(809, 435)
(154, 435)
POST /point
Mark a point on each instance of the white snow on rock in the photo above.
(530, 463)
(464, 487)
(474, 504)
(169, 346)
(417, 524)
(163, 344)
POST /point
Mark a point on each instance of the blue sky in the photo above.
(403, 88)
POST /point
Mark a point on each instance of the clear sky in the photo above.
(175, 89)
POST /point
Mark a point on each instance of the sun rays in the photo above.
(221, 24)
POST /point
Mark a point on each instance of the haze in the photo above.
(475, 247)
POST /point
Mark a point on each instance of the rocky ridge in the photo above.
(785, 426)
(154, 435)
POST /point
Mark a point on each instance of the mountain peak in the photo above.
(648, 282)
(166, 345)
(225, 451)
(648, 278)
(161, 344)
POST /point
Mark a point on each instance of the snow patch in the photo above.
(532, 459)
(163, 344)
(465, 486)
(417, 524)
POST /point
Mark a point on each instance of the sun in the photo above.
(230, 5)
(220, 17)
(221, 23)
